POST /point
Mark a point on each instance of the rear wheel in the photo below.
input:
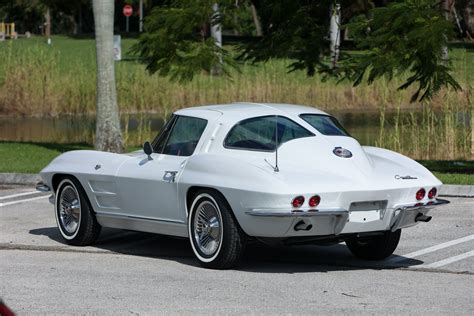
(376, 247)
(213, 232)
(74, 217)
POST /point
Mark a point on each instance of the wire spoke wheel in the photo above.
(207, 228)
(69, 209)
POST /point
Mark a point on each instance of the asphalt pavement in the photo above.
(131, 273)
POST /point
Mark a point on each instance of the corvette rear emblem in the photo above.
(398, 177)
(342, 152)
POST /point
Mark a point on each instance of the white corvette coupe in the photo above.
(223, 175)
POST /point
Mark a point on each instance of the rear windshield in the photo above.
(260, 133)
(325, 124)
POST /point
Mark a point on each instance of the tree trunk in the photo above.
(47, 31)
(216, 34)
(467, 13)
(108, 135)
(140, 10)
(256, 20)
(335, 33)
(445, 7)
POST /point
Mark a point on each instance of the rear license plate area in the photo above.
(367, 211)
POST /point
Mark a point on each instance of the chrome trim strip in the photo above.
(426, 205)
(40, 186)
(125, 216)
(315, 213)
(143, 225)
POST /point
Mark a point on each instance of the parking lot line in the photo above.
(17, 195)
(447, 261)
(24, 200)
(431, 249)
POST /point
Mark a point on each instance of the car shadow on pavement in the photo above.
(258, 257)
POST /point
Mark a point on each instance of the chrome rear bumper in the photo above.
(405, 215)
(420, 206)
(334, 221)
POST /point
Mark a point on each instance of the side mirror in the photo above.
(148, 149)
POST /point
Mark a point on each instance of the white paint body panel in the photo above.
(130, 191)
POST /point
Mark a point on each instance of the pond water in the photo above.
(364, 126)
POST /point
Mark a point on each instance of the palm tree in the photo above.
(108, 134)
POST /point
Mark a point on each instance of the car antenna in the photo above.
(275, 168)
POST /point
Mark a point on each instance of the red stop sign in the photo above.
(127, 10)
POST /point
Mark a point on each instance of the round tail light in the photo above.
(432, 193)
(297, 201)
(314, 201)
(420, 194)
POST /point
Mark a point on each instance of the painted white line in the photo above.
(431, 249)
(24, 200)
(17, 195)
(447, 261)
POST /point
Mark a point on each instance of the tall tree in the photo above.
(178, 41)
(108, 133)
(404, 37)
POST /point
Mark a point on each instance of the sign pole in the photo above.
(127, 11)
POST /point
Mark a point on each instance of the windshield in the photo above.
(325, 124)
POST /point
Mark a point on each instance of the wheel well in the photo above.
(192, 191)
(57, 179)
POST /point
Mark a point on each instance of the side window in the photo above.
(260, 133)
(184, 136)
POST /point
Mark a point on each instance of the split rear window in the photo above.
(263, 133)
(325, 124)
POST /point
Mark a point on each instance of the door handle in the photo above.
(172, 174)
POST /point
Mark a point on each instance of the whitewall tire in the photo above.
(215, 237)
(74, 216)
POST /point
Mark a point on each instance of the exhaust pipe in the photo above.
(301, 225)
(422, 218)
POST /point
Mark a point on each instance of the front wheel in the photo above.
(215, 237)
(76, 221)
(375, 247)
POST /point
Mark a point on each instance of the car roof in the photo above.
(241, 110)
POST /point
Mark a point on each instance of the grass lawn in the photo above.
(32, 157)
(455, 178)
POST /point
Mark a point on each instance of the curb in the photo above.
(457, 190)
(29, 178)
(19, 178)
